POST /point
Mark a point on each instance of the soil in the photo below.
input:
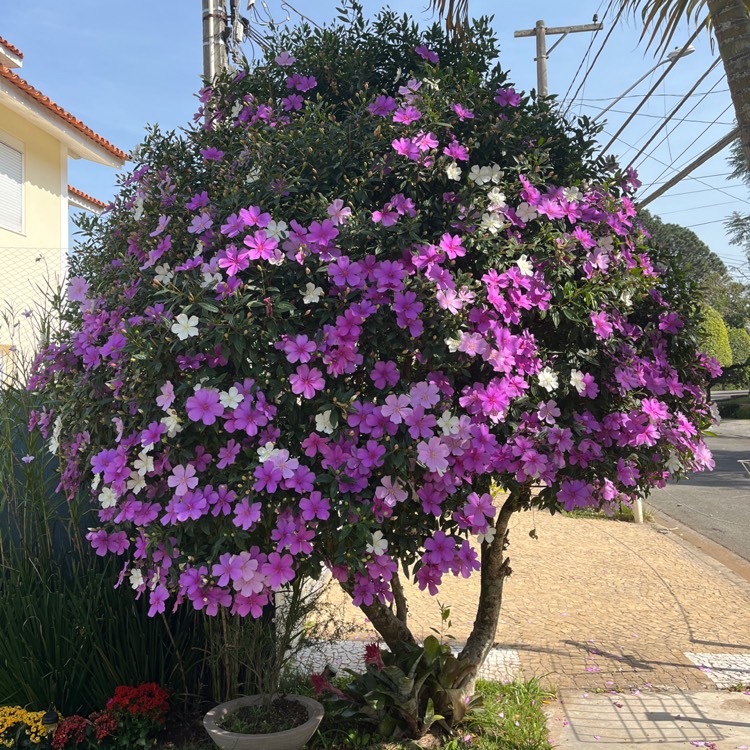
(281, 715)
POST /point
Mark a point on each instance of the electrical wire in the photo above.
(596, 57)
(585, 57)
(661, 117)
(682, 153)
(700, 208)
(675, 110)
(638, 96)
(688, 177)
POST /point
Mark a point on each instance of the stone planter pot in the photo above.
(290, 739)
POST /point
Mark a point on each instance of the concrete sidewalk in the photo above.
(634, 627)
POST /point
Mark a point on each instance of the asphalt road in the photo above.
(717, 503)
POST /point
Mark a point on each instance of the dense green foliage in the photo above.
(715, 337)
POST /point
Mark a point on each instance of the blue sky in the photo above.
(119, 66)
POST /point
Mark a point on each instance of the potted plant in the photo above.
(254, 653)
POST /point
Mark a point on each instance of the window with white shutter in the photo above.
(11, 188)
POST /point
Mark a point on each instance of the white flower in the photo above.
(378, 546)
(525, 266)
(453, 171)
(54, 441)
(95, 483)
(449, 424)
(606, 243)
(673, 463)
(483, 175)
(136, 482)
(185, 327)
(210, 280)
(627, 299)
(231, 399)
(715, 415)
(163, 274)
(497, 199)
(172, 423)
(138, 208)
(548, 379)
(136, 578)
(571, 194)
(277, 229)
(278, 258)
(237, 109)
(311, 293)
(576, 380)
(144, 463)
(453, 344)
(266, 452)
(491, 223)
(252, 175)
(323, 422)
(107, 498)
(488, 535)
(526, 213)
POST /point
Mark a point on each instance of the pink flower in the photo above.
(434, 455)
(78, 288)
(279, 570)
(167, 396)
(384, 374)
(306, 381)
(182, 479)
(204, 406)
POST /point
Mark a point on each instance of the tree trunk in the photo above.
(495, 569)
(391, 628)
(732, 30)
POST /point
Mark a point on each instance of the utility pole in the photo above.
(540, 31)
(214, 38)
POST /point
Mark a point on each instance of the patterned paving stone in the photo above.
(726, 670)
(501, 663)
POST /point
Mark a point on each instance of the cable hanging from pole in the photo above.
(674, 111)
(666, 72)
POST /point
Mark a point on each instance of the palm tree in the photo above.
(727, 20)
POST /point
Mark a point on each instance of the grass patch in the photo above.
(623, 513)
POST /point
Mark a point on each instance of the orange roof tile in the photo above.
(11, 47)
(45, 101)
(86, 196)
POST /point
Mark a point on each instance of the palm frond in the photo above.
(455, 13)
(662, 18)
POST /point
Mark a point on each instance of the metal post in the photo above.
(541, 58)
(638, 510)
(214, 46)
(541, 32)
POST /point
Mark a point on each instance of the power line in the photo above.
(691, 192)
(697, 179)
(660, 117)
(674, 111)
(703, 176)
(703, 132)
(699, 208)
(586, 55)
(704, 223)
(638, 96)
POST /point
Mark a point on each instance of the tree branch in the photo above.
(399, 598)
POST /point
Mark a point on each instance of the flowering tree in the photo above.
(371, 283)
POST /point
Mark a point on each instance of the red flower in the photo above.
(71, 732)
(373, 656)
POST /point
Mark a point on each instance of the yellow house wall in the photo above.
(32, 260)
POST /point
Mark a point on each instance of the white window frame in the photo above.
(16, 145)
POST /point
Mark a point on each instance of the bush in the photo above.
(319, 325)
(715, 337)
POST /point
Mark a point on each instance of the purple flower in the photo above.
(204, 406)
(306, 381)
(462, 112)
(279, 570)
(427, 54)
(285, 59)
(385, 374)
(507, 97)
(78, 288)
(382, 106)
